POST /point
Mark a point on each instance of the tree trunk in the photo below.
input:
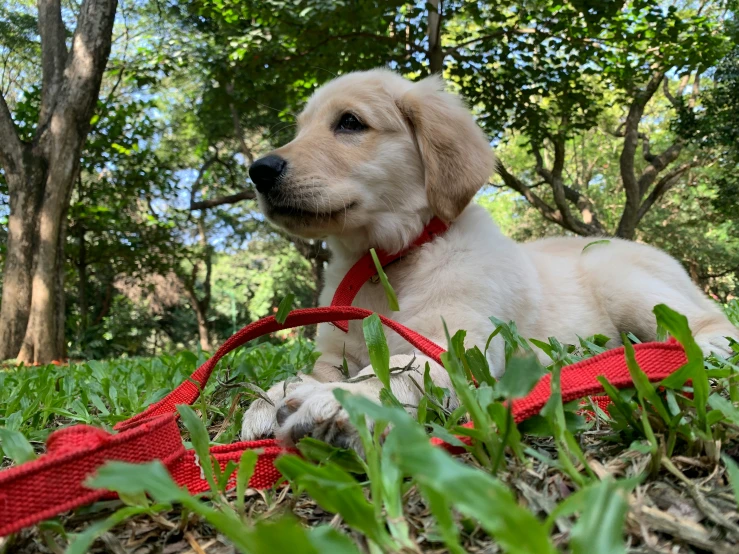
(41, 175)
(200, 307)
(82, 280)
(107, 301)
(24, 187)
(44, 338)
(202, 326)
(435, 53)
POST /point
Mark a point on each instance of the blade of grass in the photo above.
(284, 309)
(15, 446)
(247, 463)
(392, 299)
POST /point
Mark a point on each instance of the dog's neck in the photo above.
(391, 234)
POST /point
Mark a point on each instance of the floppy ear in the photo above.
(456, 155)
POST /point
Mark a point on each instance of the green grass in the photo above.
(557, 483)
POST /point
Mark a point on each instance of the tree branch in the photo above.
(199, 178)
(627, 225)
(315, 251)
(631, 135)
(53, 54)
(435, 54)
(333, 38)
(78, 91)
(11, 148)
(665, 183)
(646, 148)
(680, 88)
(519, 186)
(696, 90)
(246, 194)
(563, 195)
(208, 253)
(658, 163)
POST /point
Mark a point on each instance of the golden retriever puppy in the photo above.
(375, 158)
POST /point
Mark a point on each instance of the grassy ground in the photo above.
(654, 475)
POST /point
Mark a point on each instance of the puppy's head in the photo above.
(375, 153)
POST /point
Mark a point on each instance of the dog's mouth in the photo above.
(309, 214)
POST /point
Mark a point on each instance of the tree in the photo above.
(114, 233)
(544, 70)
(40, 173)
(715, 128)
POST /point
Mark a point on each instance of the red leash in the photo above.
(54, 483)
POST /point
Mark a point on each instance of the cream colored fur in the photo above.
(423, 155)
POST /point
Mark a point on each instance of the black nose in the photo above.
(265, 172)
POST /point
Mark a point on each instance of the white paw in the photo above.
(260, 420)
(714, 344)
(313, 411)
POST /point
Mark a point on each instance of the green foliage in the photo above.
(36, 401)
(369, 493)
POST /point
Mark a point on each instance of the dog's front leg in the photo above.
(311, 410)
(260, 420)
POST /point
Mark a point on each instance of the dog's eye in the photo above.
(349, 123)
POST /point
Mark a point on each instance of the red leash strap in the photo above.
(365, 268)
(656, 359)
(188, 391)
(54, 483)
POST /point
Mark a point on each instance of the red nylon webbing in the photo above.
(365, 268)
(656, 359)
(187, 392)
(54, 483)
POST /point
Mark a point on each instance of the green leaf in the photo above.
(593, 243)
(441, 433)
(15, 446)
(81, 543)
(730, 412)
(135, 479)
(284, 310)
(732, 470)
(247, 463)
(522, 373)
(644, 388)
(600, 527)
(473, 492)
(153, 478)
(379, 353)
(392, 299)
(287, 535)
(479, 366)
(677, 325)
(320, 452)
(336, 491)
(440, 508)
(327, 539)
(200, 442)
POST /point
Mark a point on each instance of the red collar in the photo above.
(365, 269)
